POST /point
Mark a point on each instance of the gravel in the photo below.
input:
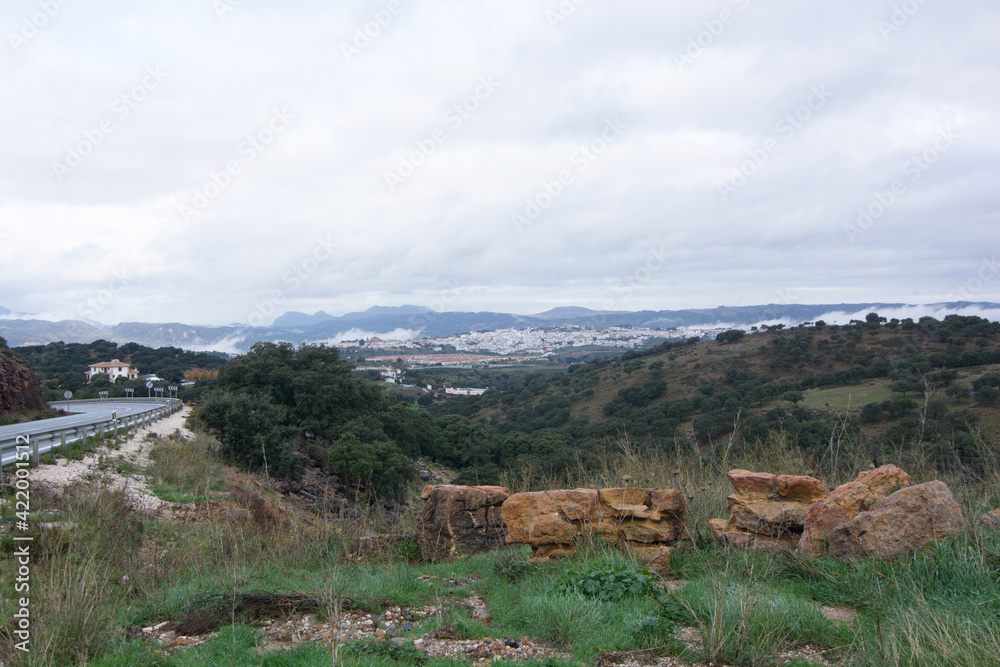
(104, 464)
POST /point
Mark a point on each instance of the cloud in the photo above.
(749, 87)
(360, 334)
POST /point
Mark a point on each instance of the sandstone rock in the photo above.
(637, 520)
(847, 501)
(768, 504)
(991, 519)
(767, 511)
(549, 517)
(731, 536)
(655, 558)
(460, 520)
(640, 515)
(901, 523)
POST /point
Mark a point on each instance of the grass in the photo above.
(184, 471)
(842, 398)
(118, 569)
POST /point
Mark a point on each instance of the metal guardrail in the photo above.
(39, 437)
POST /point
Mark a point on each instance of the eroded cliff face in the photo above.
(20, 386)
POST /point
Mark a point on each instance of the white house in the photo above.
(114, 369)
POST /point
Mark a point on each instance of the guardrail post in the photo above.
(100, 433)
(83, 436)
(62, 441)
(34, 451)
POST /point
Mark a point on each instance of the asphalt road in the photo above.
(84, 414)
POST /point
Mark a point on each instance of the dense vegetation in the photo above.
(737, 391)
(932, 384)
(65, 365)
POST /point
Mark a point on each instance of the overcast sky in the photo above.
(218, 161)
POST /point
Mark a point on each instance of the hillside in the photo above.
(294, 327)
(64, 365)
(890, 385)
(20, 386)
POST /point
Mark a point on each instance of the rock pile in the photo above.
(845, 503)
(644, 522)
(460, 520)
(767, 511)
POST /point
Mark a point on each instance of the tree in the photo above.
(958, 392)
(378, 465)
(731, 336)
(251, 429)
(793, 397)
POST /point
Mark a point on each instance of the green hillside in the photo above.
(889, 386)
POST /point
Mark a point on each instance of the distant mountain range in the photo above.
(418, 322)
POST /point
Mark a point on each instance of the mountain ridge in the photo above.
(419, 322)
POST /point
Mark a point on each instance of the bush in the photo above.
(250, 430)
(378, 466)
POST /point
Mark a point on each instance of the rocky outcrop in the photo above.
(20, 386)
(460, 520)
(643, 522)
(767, 511)
(845, 503)
(900, 524)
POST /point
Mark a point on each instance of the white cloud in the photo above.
(688, 129)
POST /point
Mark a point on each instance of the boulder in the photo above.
(845, 503)
(460, 520)
(766, 511)
(639, 521)
(549, 517)
(900, 524)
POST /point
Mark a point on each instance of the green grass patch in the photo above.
(183, 471)
(854, 396)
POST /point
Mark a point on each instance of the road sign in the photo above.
(67, 395)
(149, 384)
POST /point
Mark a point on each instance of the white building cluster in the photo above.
(547, 341)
